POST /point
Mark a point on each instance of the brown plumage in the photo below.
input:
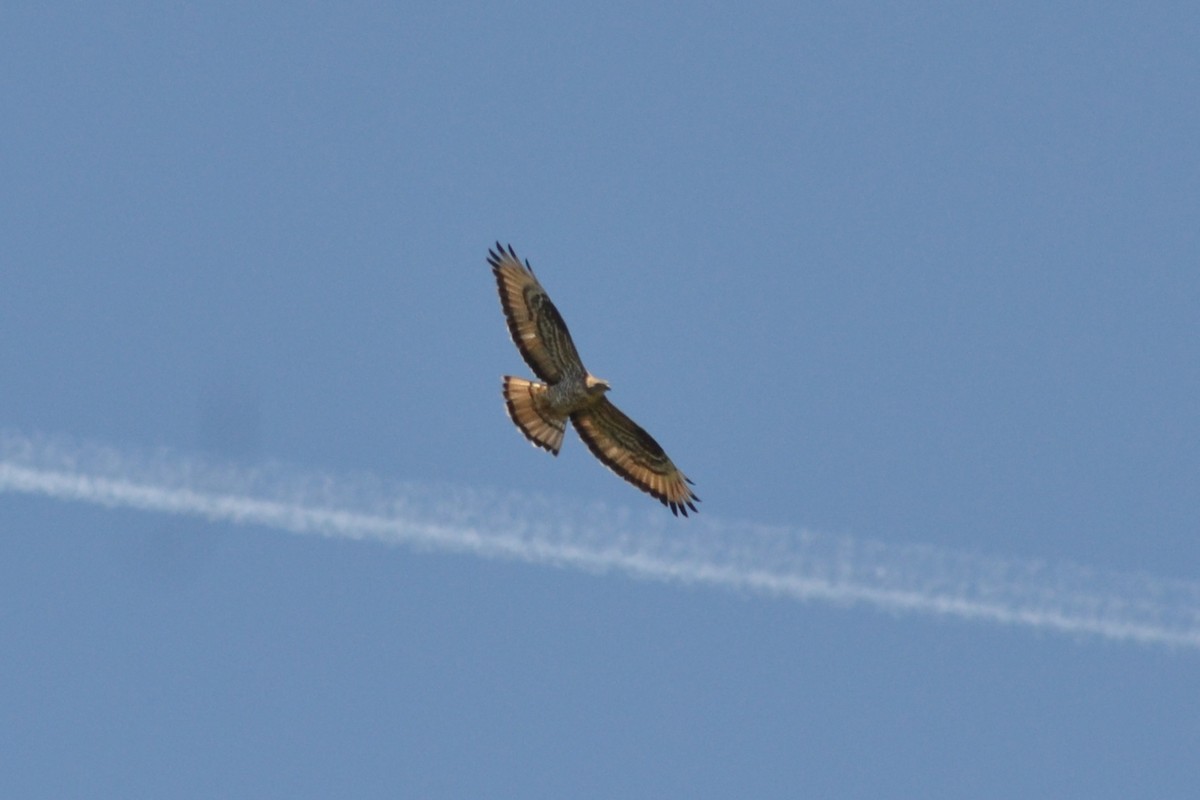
(541, 410)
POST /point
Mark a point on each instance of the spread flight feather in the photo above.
(541, 410)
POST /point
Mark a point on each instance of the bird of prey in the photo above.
(541, 410)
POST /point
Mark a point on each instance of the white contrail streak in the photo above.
(774, 561)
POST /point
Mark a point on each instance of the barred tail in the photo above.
(526, 408)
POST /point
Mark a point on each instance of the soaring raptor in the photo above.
(541, 410)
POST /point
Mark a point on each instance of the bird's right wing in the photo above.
(537, 328)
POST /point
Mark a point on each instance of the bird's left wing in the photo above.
(537, 328)
(633, 454)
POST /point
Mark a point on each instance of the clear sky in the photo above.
(912, 273)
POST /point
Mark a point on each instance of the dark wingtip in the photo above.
(501, 251)
(680, 508)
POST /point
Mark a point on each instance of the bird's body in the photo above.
(570, 392)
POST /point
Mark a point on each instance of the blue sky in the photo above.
(912, 274)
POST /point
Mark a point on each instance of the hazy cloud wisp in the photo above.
(741, 556)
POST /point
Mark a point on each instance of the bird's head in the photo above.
(596, 386)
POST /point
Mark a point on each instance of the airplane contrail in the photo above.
(777, 561)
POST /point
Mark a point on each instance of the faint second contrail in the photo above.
(734, 555)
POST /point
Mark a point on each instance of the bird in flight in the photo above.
(541, 410)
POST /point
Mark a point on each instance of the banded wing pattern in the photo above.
(536, 327)
(625, 448)
(540, 410)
